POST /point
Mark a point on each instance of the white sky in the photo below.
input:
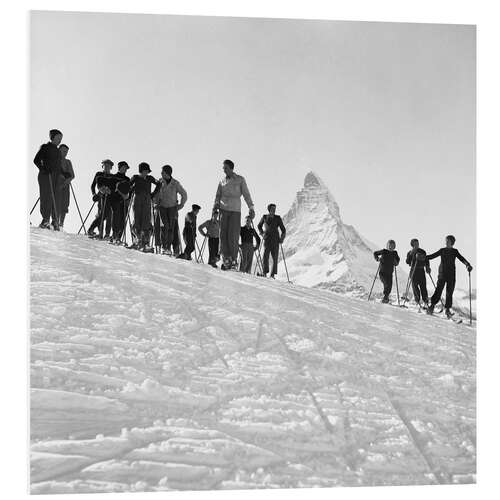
(384, 113)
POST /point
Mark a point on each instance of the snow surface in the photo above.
(151, 374)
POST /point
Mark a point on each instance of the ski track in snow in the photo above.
(153, 374)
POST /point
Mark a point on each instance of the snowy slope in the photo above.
(321, 250)
(149, 373)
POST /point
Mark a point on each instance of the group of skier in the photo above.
(418, 260)
(155, 205)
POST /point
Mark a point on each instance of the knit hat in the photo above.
(122, 164)
(196, 207)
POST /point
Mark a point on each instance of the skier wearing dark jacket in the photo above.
(118, 201)
(446, 274)
(248, 234)
(270, 227)
(48, 161)
(189, 232)
(101, 187)
(389, 259)
(140, 186)
(417, 260)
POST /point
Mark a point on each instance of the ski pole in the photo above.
(397, 288)
(470, 300)
(374, 279)
(259, 257)
(410, 278)
(127, 219)
(78, 208)
(101, 227)
(53, 201)
(434, 285)
(34, 206)
(85, 220)
(200, 257)
(258, 260)
(284, 262)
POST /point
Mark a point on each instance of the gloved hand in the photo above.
(376, 258)
(251, 213)
(469, 268)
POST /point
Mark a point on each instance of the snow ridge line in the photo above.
(439, 476)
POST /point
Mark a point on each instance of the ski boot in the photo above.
(449, 313)
(148, 249)
(430, 309)
(45, 224)
(385, 300)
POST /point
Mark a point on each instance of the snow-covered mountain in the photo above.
(155, 374)
(320, 249)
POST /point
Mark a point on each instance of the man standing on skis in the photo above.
(417, 260)
(118, 201)
(210, 229)
(248, 234)
(447, 274)
(65, 177)
(189, 232)
(166, 196)
(389, 259)
(228, 200)
(140, 186)
(270, 227)
(103, 182)
(48, 161)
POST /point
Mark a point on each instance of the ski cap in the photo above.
(122, 164)
(195, 207)
(107, 162)
(143, 166)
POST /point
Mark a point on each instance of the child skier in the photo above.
(103, 181)
(65, 178)
(417, 260)
(189, 232)
(210, 229)
(389, 259)
(447, 274)
(140, 186)
(248, 234)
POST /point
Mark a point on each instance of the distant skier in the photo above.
(101, 188)
(447, 274)
(140, 186)
(65, 177)
(210, 229)
(189, 232)
(417, 260)
(270, 227)
(228, 200)
(248, 234)
(48, 161)
(166, 197)
(118, 201)
(389, 259)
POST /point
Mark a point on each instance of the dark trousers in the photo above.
(63, 198)
(271, 247)
(189, 240)
(449, 281)
(230, 225)
(102, 220)
(246, 257)
(386, 279)
(118, 217)
(419, 286)
(142, 218)
(213, 250)
(47, 208)
(169, 219)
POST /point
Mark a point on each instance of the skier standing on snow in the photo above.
(48, 161)
(388, 258)
(270, 227)
(166, 197)
(228, 200)
(140, 186)
(66, 176)
(118, 201)
(447, 274)
(210, 229)
(417, 260)
(103, 182)
(248, 234)
(189, 232)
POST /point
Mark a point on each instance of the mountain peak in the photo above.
(313, 180)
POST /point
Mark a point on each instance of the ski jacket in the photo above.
(190, 224)
(212, 228)
(229, 193)
(141, 186)
(270, 226)
(448, 256)
(419, 258)
(102, 179)
(121, 187)
(48, 159)
(248, 234)
(388, 260)
(166, 193)
(67, 169)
